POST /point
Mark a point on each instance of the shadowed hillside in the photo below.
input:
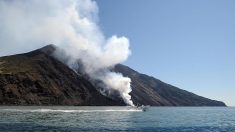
(37, 78)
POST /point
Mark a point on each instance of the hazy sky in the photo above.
(186, 43)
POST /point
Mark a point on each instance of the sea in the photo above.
(154, 119)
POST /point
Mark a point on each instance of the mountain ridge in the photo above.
(38, 78)
(168, 95)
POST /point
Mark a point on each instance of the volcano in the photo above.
(38, 78)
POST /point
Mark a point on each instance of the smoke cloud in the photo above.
(72, 25)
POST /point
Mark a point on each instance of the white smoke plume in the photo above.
(72, 25)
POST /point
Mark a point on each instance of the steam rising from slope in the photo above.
(72, 26)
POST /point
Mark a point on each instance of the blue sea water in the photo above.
(165, 119)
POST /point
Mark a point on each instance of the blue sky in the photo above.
(186, 43)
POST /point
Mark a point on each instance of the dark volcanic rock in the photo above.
(37, 78)
(147, 90)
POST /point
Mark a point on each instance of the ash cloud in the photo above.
(72, 25)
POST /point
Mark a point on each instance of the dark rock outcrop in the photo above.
(37, 78)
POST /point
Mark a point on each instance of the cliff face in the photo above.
(36, 78)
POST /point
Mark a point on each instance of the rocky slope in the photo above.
(36, 78)
(147, 90)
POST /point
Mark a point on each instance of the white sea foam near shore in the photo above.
(71, 111)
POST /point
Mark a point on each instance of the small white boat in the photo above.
(143, 108)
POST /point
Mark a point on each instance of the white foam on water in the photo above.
(70, 111)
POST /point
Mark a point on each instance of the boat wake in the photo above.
(70, 111)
